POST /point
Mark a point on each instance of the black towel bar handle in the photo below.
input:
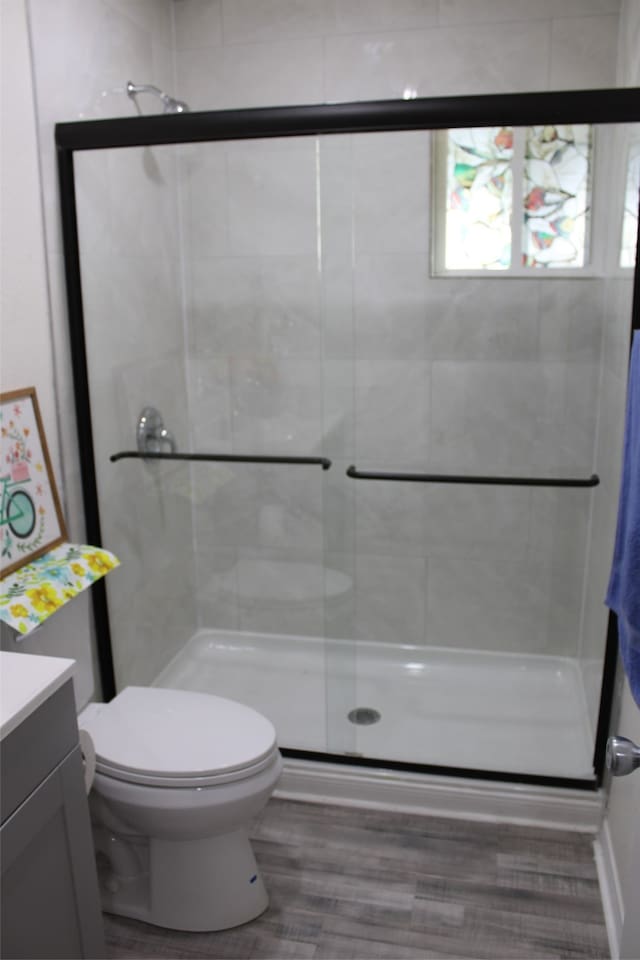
(591, 481)
(219, 457)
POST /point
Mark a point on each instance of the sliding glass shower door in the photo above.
(379, 497)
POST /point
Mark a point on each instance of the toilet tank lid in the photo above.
(177, 733)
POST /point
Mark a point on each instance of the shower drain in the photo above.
(363, 715)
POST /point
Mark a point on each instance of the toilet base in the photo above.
(197, 885)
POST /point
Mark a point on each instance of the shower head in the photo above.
(170, 104)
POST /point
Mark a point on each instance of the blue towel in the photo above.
(623, 595)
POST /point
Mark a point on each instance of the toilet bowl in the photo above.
(179, 775)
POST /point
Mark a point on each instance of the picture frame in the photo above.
(31, 520)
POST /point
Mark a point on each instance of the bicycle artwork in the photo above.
(31, 521)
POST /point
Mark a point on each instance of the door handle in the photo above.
(623, 756)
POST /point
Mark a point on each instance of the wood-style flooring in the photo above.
(372, 885)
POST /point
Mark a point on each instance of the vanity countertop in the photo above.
(26, 680)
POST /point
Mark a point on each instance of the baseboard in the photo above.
(441, 796)
(609, 888)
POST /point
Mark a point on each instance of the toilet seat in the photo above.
(164, 780)
(178, 738)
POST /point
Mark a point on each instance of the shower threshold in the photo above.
(511, 713)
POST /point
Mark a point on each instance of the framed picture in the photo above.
(31, 521)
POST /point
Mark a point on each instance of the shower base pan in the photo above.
(508, 713)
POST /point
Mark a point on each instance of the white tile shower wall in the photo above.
(271, 198)
(266, 305)
(437, 61)
(390, 193)
(392, 307)
(514, 417)
(310, 282)
(84, 52)
(583, 57)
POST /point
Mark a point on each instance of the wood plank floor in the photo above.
(372, 885)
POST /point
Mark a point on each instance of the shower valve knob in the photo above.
(623, 756)
(152, 435)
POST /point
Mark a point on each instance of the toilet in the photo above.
(179, 775)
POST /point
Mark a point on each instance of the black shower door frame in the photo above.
(512, 109)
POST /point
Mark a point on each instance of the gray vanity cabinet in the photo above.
(49, 896)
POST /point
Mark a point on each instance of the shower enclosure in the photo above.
(367, 489)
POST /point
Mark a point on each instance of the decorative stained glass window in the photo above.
(557, 196)
(479, 198)
(517, 198)
(630, 215)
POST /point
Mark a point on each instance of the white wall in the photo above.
(25, 302)
(62, 60)
(27, 355)
(240, 53)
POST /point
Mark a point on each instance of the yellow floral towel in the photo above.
(31, 594)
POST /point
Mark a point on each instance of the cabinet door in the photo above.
(50, 905)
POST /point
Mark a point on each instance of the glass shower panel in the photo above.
(127, 204)
(470, 599)
(257, 328)
(229, 346)
(615, 165)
